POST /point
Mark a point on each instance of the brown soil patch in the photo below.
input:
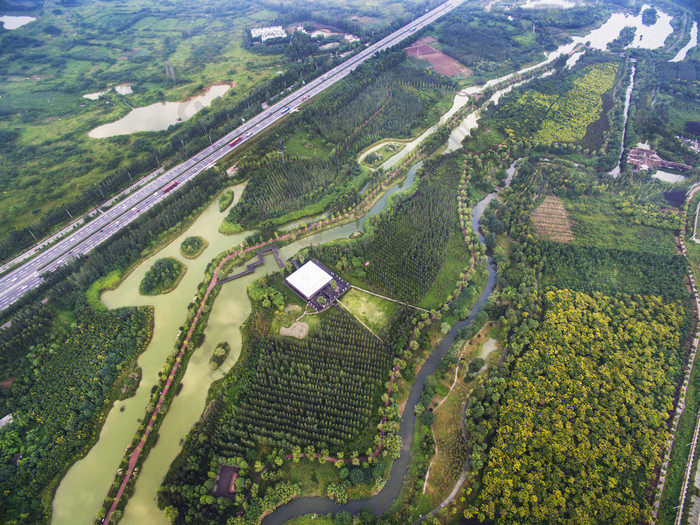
(292, 308)
(439, 61)
(551, 222)
(428, 39)
(7, 383)
(446, 65)
(421, 50)
(299, 330)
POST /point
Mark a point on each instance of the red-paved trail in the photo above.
(137, 451)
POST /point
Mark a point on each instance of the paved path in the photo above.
(680, 408)
(388, 298)
(133, 459)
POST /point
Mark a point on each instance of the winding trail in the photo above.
(359, 208)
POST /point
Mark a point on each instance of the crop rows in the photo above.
(312, 391)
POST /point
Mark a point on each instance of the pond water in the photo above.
(85, 485)
(123, 89)
(95, 95)
(690, 45)
(158, 116)
(13, 22)
(646, 37)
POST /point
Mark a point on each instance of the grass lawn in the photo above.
(371, 310)
(286, 319)
(377, 157)
(596, 222)
(301, 145)
(313, 476)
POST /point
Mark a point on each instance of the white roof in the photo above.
(309, 279)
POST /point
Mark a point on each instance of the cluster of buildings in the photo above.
(265, 33)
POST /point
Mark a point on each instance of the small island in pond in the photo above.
(219, 355)
(162, 277)
(192, 247)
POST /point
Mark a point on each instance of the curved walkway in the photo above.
(136, 453)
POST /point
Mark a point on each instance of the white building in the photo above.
(264, 33)
(308, 280)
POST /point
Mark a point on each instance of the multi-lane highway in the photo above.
(147, 192)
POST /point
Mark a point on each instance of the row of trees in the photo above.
(324, 382)
(383, 99)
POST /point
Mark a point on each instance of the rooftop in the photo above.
(309, 279)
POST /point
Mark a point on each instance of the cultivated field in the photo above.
(439, 61)
(551, 221)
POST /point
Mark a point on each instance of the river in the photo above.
(690, 45)
(85, 485)
(628, 97)
(381, 502)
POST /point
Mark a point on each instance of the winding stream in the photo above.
(83, 488)
(381, 502)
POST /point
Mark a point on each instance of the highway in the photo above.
(81, 240)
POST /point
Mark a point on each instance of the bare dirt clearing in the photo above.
(298, 329)
(551, 221)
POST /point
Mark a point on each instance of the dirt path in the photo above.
(680, 408)
(136, 453)
(388, 298)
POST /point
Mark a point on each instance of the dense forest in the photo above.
(590, 269)
(56, 395)
(162, 277)
(191, 247)
(559, 441)
(406, 246)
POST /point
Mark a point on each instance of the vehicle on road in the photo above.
(169, 187)
(235, 141)
(285, 110)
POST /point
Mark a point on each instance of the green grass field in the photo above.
(595, 222)
(374, 311)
